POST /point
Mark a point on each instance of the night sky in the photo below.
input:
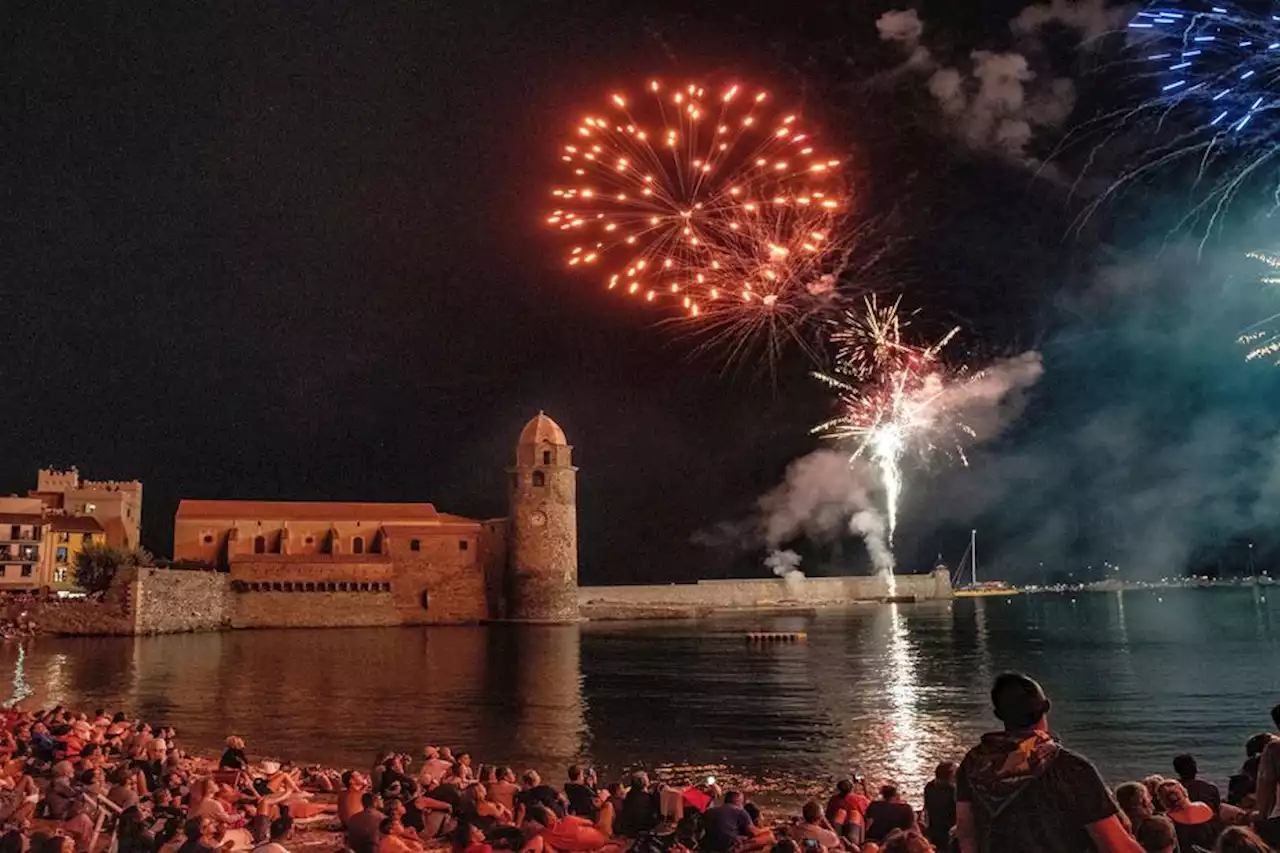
(296, 253)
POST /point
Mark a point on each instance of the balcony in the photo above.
(25, 555)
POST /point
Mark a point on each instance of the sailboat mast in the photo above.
(973, 554)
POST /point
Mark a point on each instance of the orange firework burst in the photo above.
(704, 199)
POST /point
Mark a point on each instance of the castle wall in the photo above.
(145, 601)
(441, 583)
(302, 609)
(166, 601)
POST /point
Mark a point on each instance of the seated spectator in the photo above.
(846, 810)
(727, 826)
(907, 841)
(816, 829)
(641, 808)
(887, 814)
(1205, 792)
(1195, 823)
(940, 805)
(350, 799)
(364, 826)
(1238, 839)
(1158, 835)
(1135, 805)
(234, 758)
(503, 791)
(581, 798)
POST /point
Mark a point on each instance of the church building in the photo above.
(320, 563)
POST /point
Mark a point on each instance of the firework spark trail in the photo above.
(1213, 68)
(710, 201)
(1263, 338)
(889, 396)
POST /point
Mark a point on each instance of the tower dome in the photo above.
(542, 430)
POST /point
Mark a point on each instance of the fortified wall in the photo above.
(145, 601)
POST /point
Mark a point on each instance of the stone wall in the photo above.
(144, 601)
(313, 609)
(169, 601)
(682, 600)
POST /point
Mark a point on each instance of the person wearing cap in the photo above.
(1019, 789)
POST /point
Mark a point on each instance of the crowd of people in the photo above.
(90, 783)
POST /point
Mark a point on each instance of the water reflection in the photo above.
(903, 734)
(887, 691)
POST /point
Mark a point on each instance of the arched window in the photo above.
(259, 544)
(546, 457)
(357, 545)
(426, 600)
(539, 478)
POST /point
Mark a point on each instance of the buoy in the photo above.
(777, 637)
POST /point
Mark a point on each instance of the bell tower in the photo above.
(542, 569)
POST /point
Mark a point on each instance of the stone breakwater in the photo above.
(685, 600)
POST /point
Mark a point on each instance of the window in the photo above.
(61, 555)
(60, 574)
(4, 570)
(415, 544)
(463, 544)
(86, 538)
(310, 539)
(64, 537)
(15, 532)
(208, 539)
(539, 478)
(259, 544)
(26, 571)
(357, 545)
(546, 457)
(90, 509)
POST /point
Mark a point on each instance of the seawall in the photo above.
(709, 596)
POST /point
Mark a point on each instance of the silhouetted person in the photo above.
(1021, 790)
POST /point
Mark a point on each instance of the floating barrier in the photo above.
(777, 637)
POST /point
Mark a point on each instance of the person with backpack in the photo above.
(1020, 789)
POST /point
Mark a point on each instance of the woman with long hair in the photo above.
(1196, 824)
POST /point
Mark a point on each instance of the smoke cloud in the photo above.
(1153, 445)
(786, 565)
(824, 495)
(998, 100)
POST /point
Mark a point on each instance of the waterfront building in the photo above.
(22, 529)
(314, 563)
(66, 536)
(116, 504)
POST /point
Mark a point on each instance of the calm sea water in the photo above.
(886, 690)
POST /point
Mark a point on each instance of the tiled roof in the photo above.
(74, 524)
(385, 513)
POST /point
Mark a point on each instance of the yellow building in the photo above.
(66, 536)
